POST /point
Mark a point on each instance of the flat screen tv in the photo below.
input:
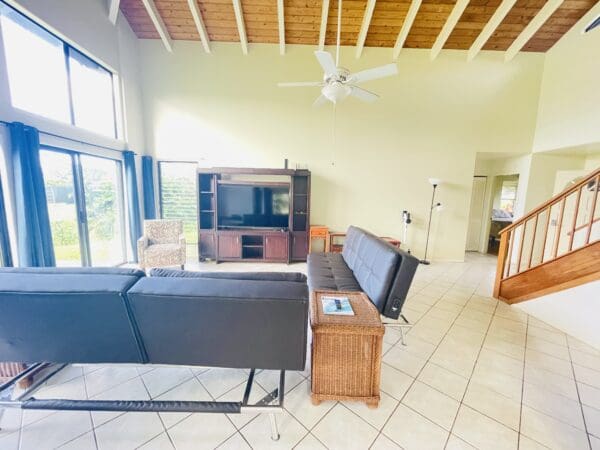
(253, 206)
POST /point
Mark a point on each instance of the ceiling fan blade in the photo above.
(375, 73)
(594, 24)
(320, 101)
(363, 94)
(326, 61)
(301, 84)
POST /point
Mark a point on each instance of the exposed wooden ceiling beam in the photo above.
(113, 10)
(239, 19)
(451, 22)
(158, 23)
(323, 29)
(490, 27)
(406, 26)
(364, 28)
(281, 21)
(532, 27)
(197, 15)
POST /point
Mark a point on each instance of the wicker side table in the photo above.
(346, 351)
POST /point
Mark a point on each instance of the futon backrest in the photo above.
(383, 271)
(222, 322)
(67, 316)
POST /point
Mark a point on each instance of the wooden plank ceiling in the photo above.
(302, 20)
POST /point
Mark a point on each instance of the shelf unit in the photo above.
(207, 221)
(248, 244)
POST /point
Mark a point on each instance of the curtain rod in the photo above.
(69, 139)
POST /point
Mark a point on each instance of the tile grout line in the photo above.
(461, 403)
(157, 414)
(421, 370)
(587, 433)
(523, 384)
(238, 430)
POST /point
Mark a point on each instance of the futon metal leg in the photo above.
(274, 429)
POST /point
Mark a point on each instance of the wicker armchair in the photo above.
(162, 245)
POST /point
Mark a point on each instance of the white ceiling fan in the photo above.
(338, 82)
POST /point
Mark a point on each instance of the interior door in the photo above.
(476, 221)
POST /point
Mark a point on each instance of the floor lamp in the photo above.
(435, 182)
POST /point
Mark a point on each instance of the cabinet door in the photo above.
(230, 246)
(276, 247)
(299, 245)
(206, 245)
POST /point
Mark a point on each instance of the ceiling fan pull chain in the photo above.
(333, 128)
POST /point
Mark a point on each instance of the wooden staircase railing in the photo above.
(555, 246)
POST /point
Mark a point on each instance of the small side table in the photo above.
(319, 232)
(346, 351)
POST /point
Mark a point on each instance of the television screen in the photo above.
(242, 205)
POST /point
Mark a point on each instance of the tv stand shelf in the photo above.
(222, 242)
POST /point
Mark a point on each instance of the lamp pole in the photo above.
(434, 182)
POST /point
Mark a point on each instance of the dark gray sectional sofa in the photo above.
(96, 315)
(369, 264)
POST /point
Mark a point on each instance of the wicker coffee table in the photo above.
(346, 351)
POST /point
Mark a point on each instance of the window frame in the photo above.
(80, 203)
(115, 91)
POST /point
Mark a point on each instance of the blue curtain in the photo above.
(5, 253)
(133, 202)
(34, 236)
(148, 182)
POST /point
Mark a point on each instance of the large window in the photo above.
(48, 77)
(85, 204)
(178, 199)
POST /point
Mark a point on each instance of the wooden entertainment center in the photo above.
(247, 243)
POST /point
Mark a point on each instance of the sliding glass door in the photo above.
(179, 199)
(85, 203)
(103, 187)
(62, 207)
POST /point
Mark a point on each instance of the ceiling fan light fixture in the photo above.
(336, 91)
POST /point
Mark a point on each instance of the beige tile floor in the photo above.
(476, 373)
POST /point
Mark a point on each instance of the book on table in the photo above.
(337, 306)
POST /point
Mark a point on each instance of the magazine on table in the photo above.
(337, 306)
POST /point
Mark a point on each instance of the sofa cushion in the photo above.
(67, 316)
(328, 271)
(264, 276)
(373, 262)
(222, 323)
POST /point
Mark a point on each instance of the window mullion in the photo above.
(69, 83)
(82, 222)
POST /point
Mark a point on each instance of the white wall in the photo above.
(224, 109)
(574, 311)
(569, 111)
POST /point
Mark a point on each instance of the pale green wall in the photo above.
(569, 112)
(224, 109)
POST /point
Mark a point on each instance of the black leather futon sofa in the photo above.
(53, 317)
(369, 264)
(113, 315)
